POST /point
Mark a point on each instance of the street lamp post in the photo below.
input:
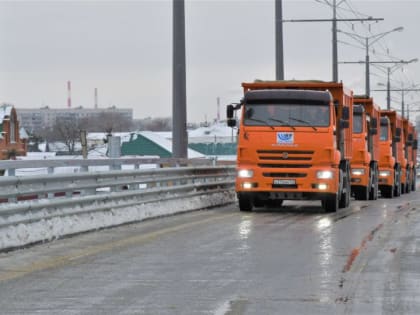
(388, 89)
(279, 40)
(403, 90)
(367, 41)
(335, 4)
(390, 70)
(408, 108)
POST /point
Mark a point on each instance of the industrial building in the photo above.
(45, 118)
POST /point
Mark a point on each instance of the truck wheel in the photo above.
(373, 193)
(397, 190)
(345, 196)
(245, 202)
(330, 204)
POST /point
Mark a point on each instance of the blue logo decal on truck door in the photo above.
(285, 137)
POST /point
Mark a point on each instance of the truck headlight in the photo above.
(247, 185)
(245, 173)
(358, 171)
(384, 173)
(322, 186)
(324, 174)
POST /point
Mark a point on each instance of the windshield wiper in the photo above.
(304, 121)
(282, 122)
(261, 121)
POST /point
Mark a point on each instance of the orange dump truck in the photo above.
(410, 154)
(391, 154)
(294, 143)
(364, 162)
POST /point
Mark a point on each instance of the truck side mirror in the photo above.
(374, 123)
(398, 132)
(374, 131)
(410, 137)
(231, 122)
(346, 113)
(229, 111)
(344, 124)
(397, 139)
(415, 144)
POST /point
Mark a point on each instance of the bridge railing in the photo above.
(67, 165)
(95, 199)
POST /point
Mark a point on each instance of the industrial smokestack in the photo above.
(69, 94)
(96, 98)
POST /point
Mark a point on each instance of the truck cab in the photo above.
(364, 162)
(294, 143)
(390, 155)
(410, 152)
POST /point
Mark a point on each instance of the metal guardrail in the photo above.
(68, 195)
(14, 188)
(9, 167)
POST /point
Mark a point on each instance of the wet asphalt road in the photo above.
(293, 260)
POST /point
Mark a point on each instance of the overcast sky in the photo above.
(124, 48)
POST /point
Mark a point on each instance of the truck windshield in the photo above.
(291, 115)
(384, 133)
(357, 124)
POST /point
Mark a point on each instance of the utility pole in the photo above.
(408, 109)
(365, 40)
(179, 99)
(367, 71)
(389, 71)
(334, 43)
(279, 40)
(334, 21)
(402, 90)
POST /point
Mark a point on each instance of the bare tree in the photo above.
(67, 131)
(109, 122)
(154, 124)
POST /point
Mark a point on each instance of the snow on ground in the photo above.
(167, 144)
(38, 227)
(219, 129)
(217, 132)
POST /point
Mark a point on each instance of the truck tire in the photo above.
(330, 204)
(245, 202)
(397, 190)
(373, 193)
(345, 196)
(397, 183)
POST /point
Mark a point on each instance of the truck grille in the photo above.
(284, 175)
(284, 158)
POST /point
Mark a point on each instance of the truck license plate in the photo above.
(284, 182)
